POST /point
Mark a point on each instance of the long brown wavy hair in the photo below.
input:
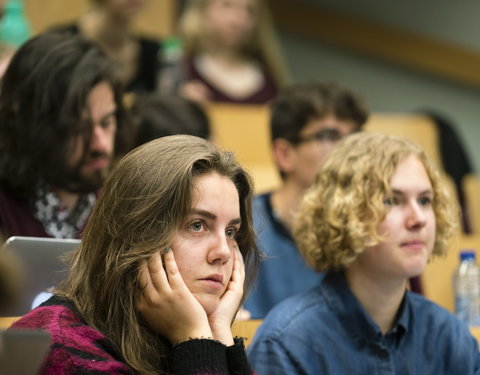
(145, 199)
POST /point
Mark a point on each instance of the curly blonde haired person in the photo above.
(340, 214)
(376, 214)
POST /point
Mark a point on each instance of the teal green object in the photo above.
(172, 48)
(14, 26)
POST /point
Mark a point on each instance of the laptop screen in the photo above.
(42, 266)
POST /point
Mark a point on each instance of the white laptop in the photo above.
(42, 266)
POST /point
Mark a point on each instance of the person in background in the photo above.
(109, 23)
(163, 267)
(60, 121)
(155, 116)
(230, 50)
(307, 120)
(376, 215)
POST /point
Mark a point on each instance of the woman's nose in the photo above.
(416, 216)
(221, 250)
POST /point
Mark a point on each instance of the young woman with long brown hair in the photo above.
(161, 270)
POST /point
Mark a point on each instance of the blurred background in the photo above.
(402, 56)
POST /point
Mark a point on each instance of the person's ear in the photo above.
(284, 154)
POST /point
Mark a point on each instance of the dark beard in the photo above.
(75, 182)
(86, 184)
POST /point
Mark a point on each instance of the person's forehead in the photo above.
(329, 121)
(410, 171)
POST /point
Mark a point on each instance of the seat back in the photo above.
(417, 128)
(244, 129)
(437, 277)
(246, 328)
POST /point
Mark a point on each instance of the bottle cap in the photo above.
(172, 48)
(467, 254)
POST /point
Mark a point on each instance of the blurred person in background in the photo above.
(231, 53)
(155, 115)
(109, 23)
(60, 122)
(307, 120)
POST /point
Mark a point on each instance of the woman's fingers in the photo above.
(157, 273)
(238, 271)
(165, 302)
(175, 279)
(144, 278)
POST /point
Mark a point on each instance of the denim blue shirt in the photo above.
(326, 331)
(283, 272)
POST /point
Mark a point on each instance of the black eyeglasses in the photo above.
(324, 135)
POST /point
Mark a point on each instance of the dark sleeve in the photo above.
(237, 359)
(148, 66)
(199, 356)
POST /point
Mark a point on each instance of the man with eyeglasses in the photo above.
(307, 120)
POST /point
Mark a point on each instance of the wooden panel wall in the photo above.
(420, 52)
(157, 19)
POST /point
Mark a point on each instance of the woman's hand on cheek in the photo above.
(167, 305)
(221, 319)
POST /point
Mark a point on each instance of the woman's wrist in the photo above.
(197, 334)
(224, 335)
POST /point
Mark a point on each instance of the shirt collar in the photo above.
(358, 323)
(274, 218)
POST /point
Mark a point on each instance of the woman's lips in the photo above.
(214, 281)
(414, 245)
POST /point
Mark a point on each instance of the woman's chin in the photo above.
(208, 302)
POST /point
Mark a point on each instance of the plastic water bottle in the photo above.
(171, 66)
(14, 26)
(467, 289)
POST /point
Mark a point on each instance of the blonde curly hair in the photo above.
(340, 214)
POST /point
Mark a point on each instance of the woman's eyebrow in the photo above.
(208, 214)
(401, 192)
(211, 216)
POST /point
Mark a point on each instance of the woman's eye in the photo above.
(196, 226)
(387, 202)
(231, 233)
(425, 201)
(390, 201)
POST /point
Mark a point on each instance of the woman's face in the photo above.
(409, 226)
(231, 22)
(203, 245)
